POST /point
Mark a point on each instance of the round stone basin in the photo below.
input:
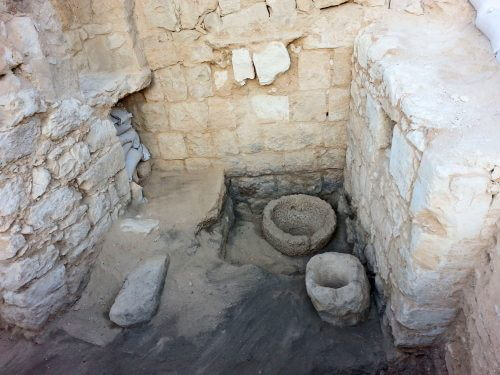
(298, 225)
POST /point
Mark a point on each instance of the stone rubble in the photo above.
(139, 296)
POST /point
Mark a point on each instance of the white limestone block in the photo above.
(271, 61)
(41, 179)
(139, 296)
(270, 107)
(10, 244)
(402, 163)
(242, 65)
(14, 275)
(67, 117)
(229, 6)
(54, 206)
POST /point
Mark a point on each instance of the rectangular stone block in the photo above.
(106, 167)
(199, 80)
(338, 104)
(335, 135)
(172, 83)
(342, 66)
(200, 145)
(172, 146)
(314, 70)
(225, 142)
(189, 116)
(308, 106)
(269, 108)
(222, 113)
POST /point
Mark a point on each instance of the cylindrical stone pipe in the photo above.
(488, 21)
(132, 158)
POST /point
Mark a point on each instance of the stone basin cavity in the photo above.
(298, 225)
(338, 288)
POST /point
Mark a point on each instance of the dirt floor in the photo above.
(242, 310)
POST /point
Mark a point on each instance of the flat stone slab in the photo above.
(139, 297)
(144, 226)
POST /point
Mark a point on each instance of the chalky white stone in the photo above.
(139, 296)
(271, 61)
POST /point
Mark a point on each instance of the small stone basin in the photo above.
(338, 288)
(298, 225)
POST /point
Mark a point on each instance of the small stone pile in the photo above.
(137, 155)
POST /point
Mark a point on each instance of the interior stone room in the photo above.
(250, 187)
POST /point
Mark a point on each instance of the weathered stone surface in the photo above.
(338, 104)
(270, 108)
(229, 6)
(252, 15)
(242, 65)
(314, 70)
(41, 179)
(189, 116)
(105, 167)
(162, 13)
(31, 307)
(199, 79)
(10, 244)
(270, 61)
(298, 225)
(18, 100)
(172, 146)
(338, 288)
(172, 82)
(308, 106)
(139, 296)
(70, 115)
(17, 274)
(281, 10)
(12, 196)
(18, 142)
(53, 207)
(102, 133)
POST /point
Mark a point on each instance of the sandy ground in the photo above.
(246, 314)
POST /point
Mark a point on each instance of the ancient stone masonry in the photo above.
(395, 101)
(259, 88)
(422, 169)
(62, 176)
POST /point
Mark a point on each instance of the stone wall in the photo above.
(62, 178)
(260, 88)
(422, 170)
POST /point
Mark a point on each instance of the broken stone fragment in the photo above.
(70, 115)
(144, 226)
(10, 245)
(242, 65)
(271, 61)
(139, 296)
(41, 179)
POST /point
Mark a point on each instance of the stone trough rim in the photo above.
(305, 244)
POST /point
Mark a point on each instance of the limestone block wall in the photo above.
(62, 177)
(422, 170)
(259, 88)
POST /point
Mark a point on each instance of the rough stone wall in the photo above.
(422, 170)
(260, 88)
(62, 180)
